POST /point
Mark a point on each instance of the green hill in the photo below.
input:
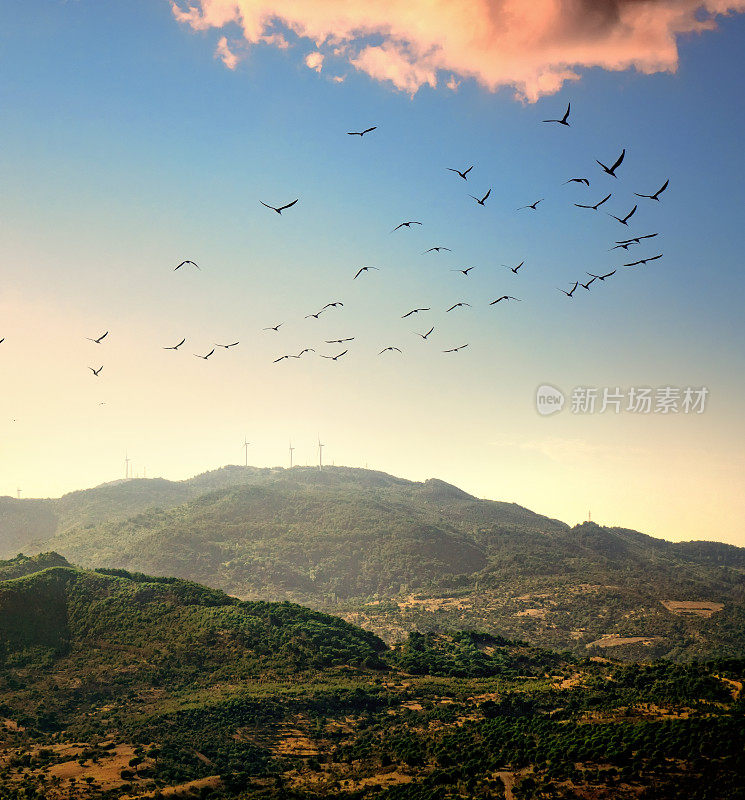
(394, 555)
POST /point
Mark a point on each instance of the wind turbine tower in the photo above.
(126, 465)
(246, 443)
(292, 449)
(320, 453)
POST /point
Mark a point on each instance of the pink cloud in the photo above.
(534, 46)
(225, 54)
(314, 61)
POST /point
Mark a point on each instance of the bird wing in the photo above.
(663, 187)
(580, 205)
(619, 161)
(468, 170)
(631, 213)
(268, 206)
(566, 115)
(604, 200)
(486, 195)
(368, 130)
(210, 353)
(289, 205)
(342, 354)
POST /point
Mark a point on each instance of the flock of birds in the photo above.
(623, 244)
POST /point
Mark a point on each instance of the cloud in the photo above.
(225, 54)
(314, 61)
(534, 46)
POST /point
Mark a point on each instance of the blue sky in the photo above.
(127, 147)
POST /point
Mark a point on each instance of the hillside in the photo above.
(393, 556)
(123, 686)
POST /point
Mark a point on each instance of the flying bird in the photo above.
(644, 260)
(207, 356)
(340, 341)
(514, 269)
(405, 225)
(570, 293)
(483, 199)
(425, 335)
(457, 305)
(333, 358)
(414, 311)
(531, 205)
(463, 271)
(315, 316)
(601, 277)
(361, 270)
(386, 349)
(624, 220)
(587, 285)
(656, 195)
(281, 208)
(274, 328)
(597, 206)
(100, 338)
(184, 263)
(637, 239)
(228, 346)
(577, 180)
(96, 372)
(437, 250)
(462, 174)
(564, 119)
(176, 346)
(332, 305)
(362, 133)
(281, 358)
(455, 349)
(623, 245)
(612, 170)
(503, 297)
(303, 351)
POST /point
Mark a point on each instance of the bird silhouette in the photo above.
(623, 246)
(601, 277)
(281, 208)
(504, 297)
(184, 263)
(570, 293)
(207, 356)
(100, 338)
(462, 174)
(483, 199)
(455, 349)
(587, 285)
(637, 239)
(176, 346)
(332, 305)
(96, 372)
(564, 120)
(457, 305)
(656, 195)
(386, 349)
(612, 170)
(274, 328)
(624, 220)
(405, 225)
(644, 260)
(303, 351)
(534, 206)
(425, 335)
(228, 346)
(2, 340)
(362, 133)
(333, 358)
(577, 180)
(597, 205)
(340, 341)
(414, 311)
(514, 269)
(463, 271)
(437, 250)
(361, 270)
(281, 358)
(316, 315)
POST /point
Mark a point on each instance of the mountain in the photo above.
(394, 555)
(118, 686)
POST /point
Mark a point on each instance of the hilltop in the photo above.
(394, 555)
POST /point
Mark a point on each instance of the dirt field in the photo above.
(701, 608)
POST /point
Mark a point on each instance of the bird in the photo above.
(274, 328)
(624, 220)
(425, 335)
(362, 133)
(564, 119)
(531, 205)
(455, 349)
(333, 358)
(601, 277)
(656, 195)
(483, 199)
(414, 311)
(463, 271)
(587, 285)
(577, 180)
(100, 338)
(281, 208)
(612, 170)
(457, 305)
(570, 293)
(637, 239)
(316, 315)
(332, 305)
(514, 269)
(303, 351)
(340, 341)
(207, 356)
(462, 174)
(437, 250)
(386, 349)
(406, 225)
(504, 297)
(96, 372)
(623, 245)
(281, 358)
(227, 346)
(183, 263)
(361, 270)
(176, 346)
(597, 206)
(644, 260)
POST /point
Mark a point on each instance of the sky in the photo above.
(138, 134)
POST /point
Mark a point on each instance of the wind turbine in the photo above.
(246, 443)
(292, 449)
(126, 465)
(320, 453)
